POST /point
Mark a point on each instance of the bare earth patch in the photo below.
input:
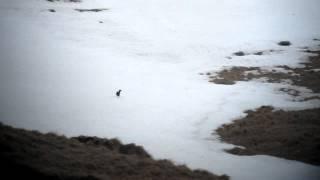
(32, 155)
(307, 76)
(292, 135)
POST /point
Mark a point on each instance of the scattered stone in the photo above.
(284, 43)
(290, 91)
(100, 22)
(258, 53)
(51, 10)
(239, 53)
(91, 10)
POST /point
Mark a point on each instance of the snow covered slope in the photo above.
(60, 71)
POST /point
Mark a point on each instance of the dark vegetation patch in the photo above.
(241, 73)
(33, 155)
(293, 135)
(230, 76)
(284, 43)
(307, 76)
(92, 10)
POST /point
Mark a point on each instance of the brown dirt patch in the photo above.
(230, 76)
(292, 135)
(32, 155)
(307, 76)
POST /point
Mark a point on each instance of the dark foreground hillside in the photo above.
(32, 155)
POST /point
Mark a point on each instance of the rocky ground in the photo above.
(33, 155)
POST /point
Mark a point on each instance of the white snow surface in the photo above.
(60, 71)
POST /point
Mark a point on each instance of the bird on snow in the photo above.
(118, 92)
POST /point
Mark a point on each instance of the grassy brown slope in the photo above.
(48, 156)
(293, 135)
(306, 76)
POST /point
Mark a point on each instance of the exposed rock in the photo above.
(284, 43)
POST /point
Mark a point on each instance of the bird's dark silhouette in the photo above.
(118, 92)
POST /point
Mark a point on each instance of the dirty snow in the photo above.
(60, 71)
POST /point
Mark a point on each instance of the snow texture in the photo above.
(60, 72)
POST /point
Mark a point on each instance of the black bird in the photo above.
(118, 92)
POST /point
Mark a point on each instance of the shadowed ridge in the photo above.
(30, 154)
